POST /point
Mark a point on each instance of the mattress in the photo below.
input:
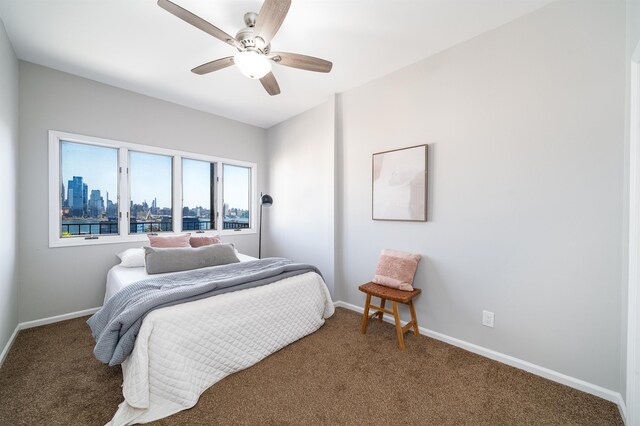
(119, 277)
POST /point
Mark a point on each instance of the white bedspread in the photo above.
(182, 350)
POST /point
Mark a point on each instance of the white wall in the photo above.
(633, 15)
(8, 193)
(62, 280)
(526, 132)
(633, 38)
(300, 223)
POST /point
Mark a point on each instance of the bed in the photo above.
(182, 350)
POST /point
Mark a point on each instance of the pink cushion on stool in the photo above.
(396, 269)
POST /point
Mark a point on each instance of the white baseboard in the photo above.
(5, 351)
(547, 373)
(39, 322)
(622, 408)
(57, 318)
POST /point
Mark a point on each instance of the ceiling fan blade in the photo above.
(270, 84)
(196, 21)
(212, 66)
(303, 62)
(270, 17)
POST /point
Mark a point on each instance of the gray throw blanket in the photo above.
(116, 325)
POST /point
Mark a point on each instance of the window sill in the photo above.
(81, 241)
(120, 239)
(231, 232)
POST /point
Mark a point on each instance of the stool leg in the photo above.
(365, 317)
(380, 313)
(413, 318)
(398, 325)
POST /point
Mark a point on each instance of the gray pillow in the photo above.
(160, 260)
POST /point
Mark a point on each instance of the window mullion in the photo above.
(220, 197)
(213, 194)
(123, 195)
(177, 193)
(253, 195)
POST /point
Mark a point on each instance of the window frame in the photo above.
(124, 196)
(215, 195)
(222, 194)
(173, 194)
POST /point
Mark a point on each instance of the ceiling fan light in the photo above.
(252, 64)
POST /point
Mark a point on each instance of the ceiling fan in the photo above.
(254, 57)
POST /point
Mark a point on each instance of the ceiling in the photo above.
(136, 45)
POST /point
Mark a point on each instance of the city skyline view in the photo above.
(89, 191)
(151, 176)
(97, 165)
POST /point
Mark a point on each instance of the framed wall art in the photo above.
(400, 184)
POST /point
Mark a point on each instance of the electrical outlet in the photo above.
(487, 318)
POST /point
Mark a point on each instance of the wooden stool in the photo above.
(387, 293)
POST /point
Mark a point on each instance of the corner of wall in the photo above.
(8, 193)
(301, 150)
(338, 274)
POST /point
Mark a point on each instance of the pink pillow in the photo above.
(205, 240)
(396, 269)
(169, 241)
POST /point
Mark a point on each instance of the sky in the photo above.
(97, 165)
(195, 183)
(236, 182)
(151, 176)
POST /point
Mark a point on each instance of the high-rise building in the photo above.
(96, 204)
(85, 197)
(75, 200)
(112, 208)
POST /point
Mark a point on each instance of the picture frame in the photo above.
(399, 184)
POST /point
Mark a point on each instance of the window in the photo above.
(150, 177)
(88, 190)
(161, 190)
(198, 194)
(236, 195)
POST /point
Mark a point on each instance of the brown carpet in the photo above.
(335, 376)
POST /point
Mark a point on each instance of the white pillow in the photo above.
(132, 258)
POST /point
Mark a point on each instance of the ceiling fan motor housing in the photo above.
(250, 19)
(246, 36)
